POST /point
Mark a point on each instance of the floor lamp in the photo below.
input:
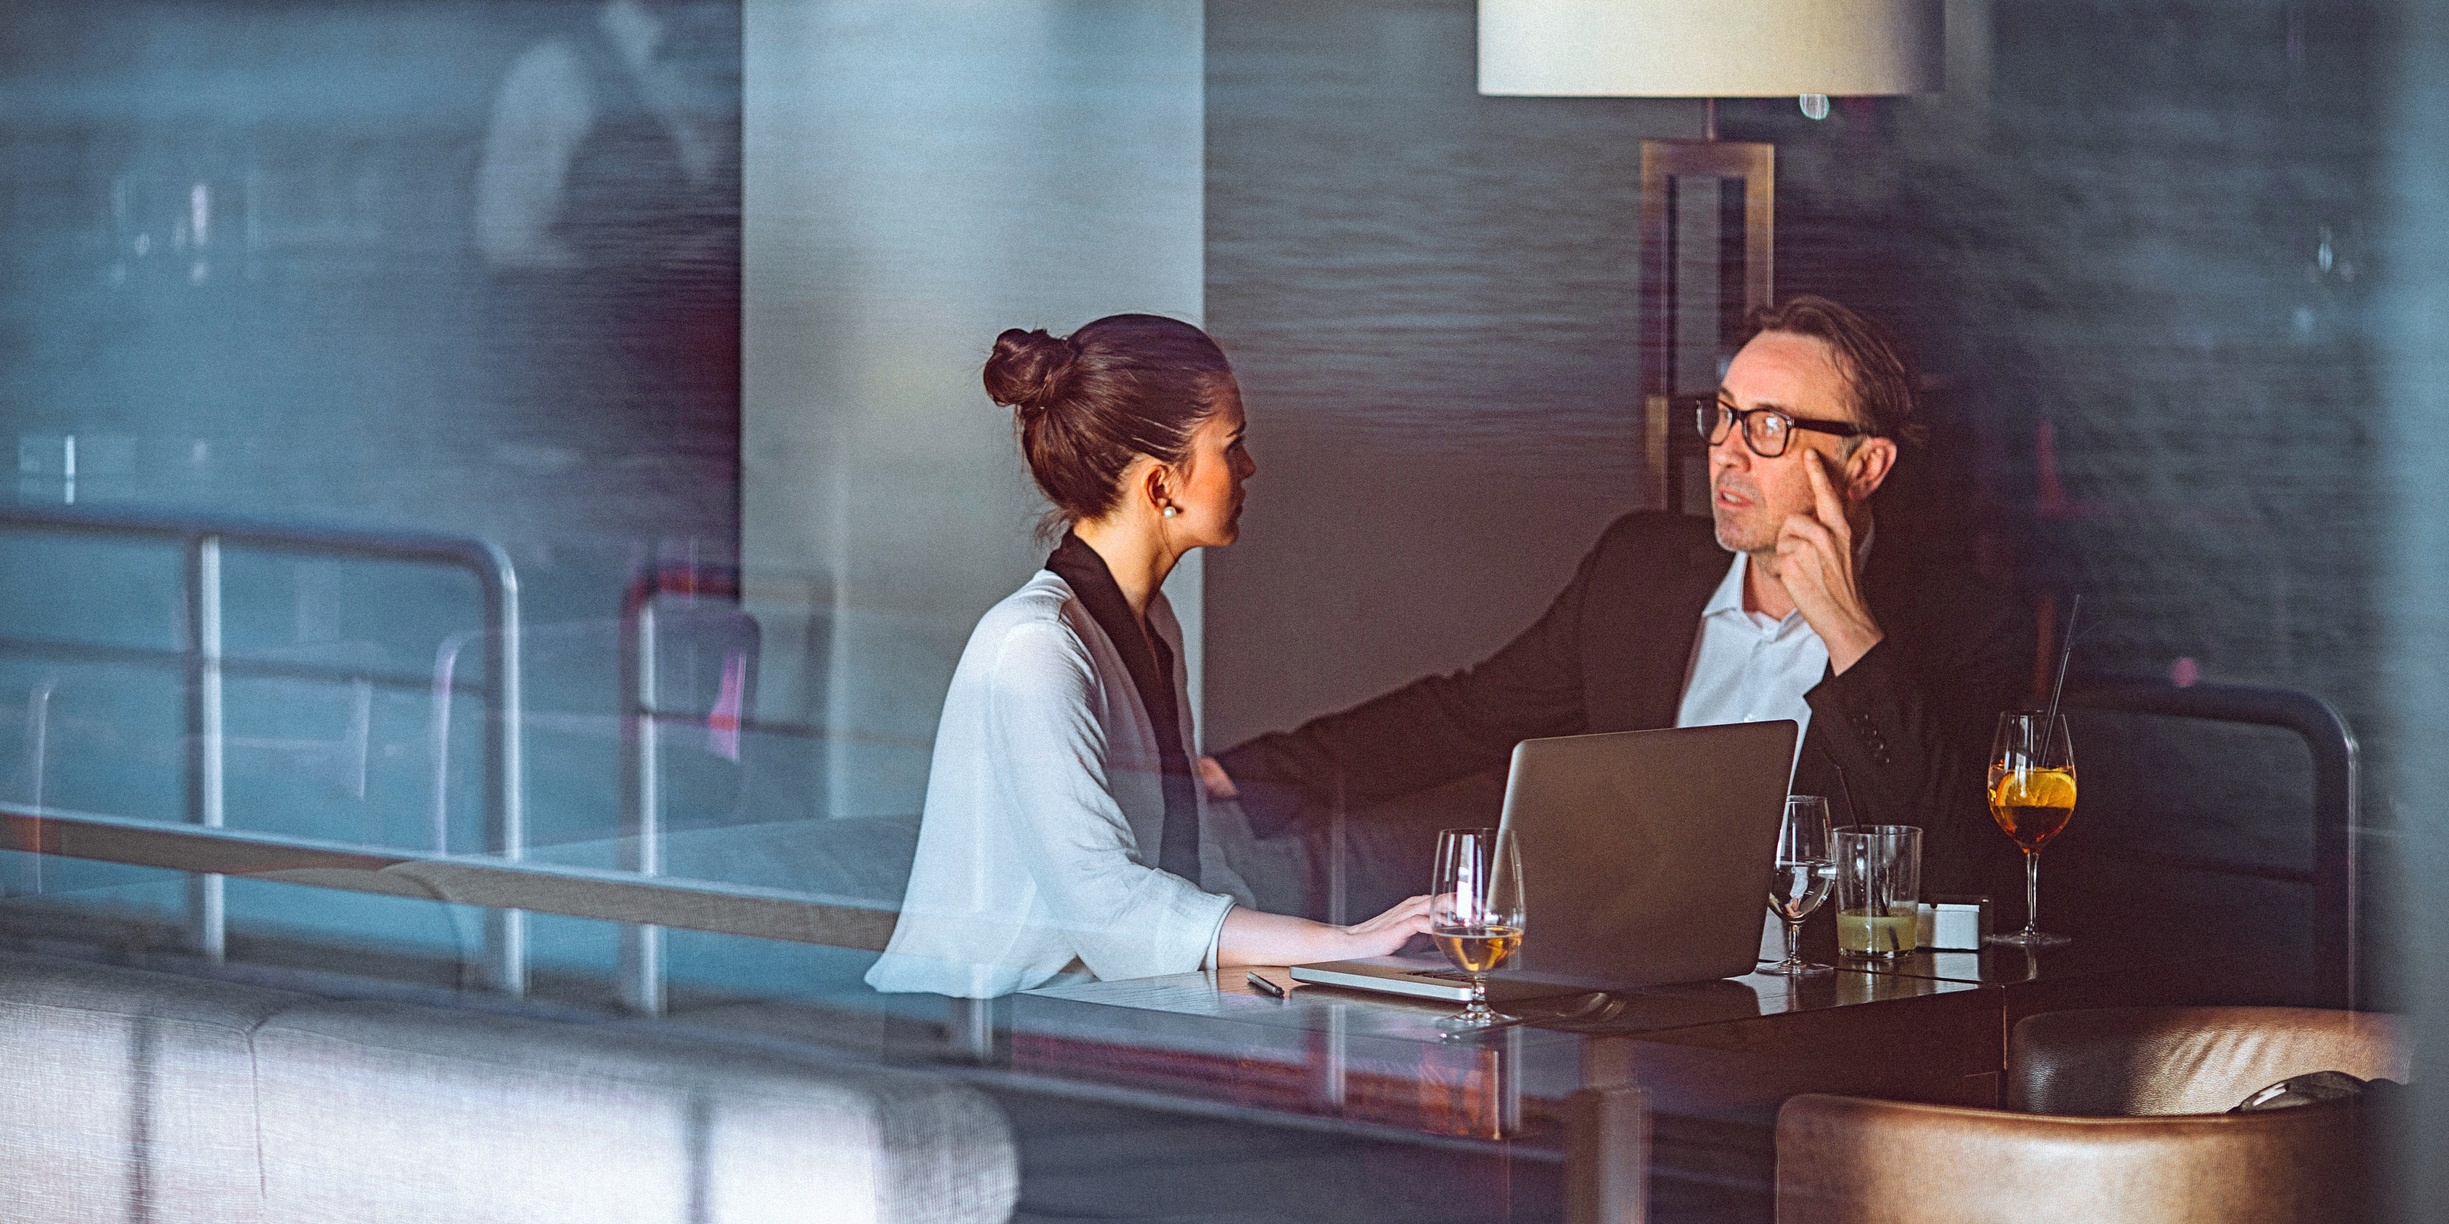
(1693, 233)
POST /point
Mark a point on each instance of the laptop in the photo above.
(1646, 858)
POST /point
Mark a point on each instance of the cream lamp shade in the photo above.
(1710, 48)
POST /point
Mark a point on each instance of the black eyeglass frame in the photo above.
(1709, 410)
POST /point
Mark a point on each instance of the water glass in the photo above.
(1803, 876)
(1879, 890)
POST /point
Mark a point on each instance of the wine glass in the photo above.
(1804, 874)
(1476, 913)
(2032, 793)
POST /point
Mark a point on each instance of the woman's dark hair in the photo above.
(1088, 404)
(1877, 368)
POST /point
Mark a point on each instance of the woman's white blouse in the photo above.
(1045, 812)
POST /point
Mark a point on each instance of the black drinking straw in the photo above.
(1853, 814)
(2049, 720)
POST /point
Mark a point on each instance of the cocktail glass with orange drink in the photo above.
(2032, 795)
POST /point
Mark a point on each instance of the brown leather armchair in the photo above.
(1845, 1160)
(2166, 1152)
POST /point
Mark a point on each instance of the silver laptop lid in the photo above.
(1646, 855)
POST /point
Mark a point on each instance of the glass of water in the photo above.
(1804, 873)
(1879, 890)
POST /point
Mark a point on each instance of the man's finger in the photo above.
(1808, 530)
(1802, 556)
(1824, 500)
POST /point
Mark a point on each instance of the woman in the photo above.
(1062, 827)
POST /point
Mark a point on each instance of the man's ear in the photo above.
(1868, 468)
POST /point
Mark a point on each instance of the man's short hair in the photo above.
(1877, 368)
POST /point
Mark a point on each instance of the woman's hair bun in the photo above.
(1029, 369)
(1091, 403)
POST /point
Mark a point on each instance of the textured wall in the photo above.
(1428, 297)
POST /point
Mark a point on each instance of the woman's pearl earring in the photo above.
(1171, 511)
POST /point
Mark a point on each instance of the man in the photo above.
(1894, 658)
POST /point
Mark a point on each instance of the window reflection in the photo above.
(403, 269)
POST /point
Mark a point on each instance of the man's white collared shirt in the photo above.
(1747, 667)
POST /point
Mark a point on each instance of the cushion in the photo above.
(126, 1094)
(381, 1112)
(2178, 1060)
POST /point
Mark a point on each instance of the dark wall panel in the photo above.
(1429, 299)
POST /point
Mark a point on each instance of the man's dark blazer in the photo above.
(1902, 737)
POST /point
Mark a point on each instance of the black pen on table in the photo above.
(1265, 986)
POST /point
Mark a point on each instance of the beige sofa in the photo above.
(132, 1095)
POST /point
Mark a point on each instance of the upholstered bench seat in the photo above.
(131, 1095)
(128, 1095)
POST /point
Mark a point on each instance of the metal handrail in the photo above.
(270, 669)
(201, 539)
(642, 964)
(578, 892)
(2335, 778)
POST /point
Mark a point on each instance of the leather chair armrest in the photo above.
(1846, 1160)
(2181, 1060)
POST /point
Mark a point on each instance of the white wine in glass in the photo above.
(2032, 796)
(1478, 951)
(1476, 912)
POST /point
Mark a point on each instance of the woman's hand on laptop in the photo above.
(1386, 934)
(1217, 783)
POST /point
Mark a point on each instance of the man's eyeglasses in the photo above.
(1766, 430)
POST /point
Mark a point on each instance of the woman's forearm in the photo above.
(1254, 938)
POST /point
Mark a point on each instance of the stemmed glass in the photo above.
(2032, 793)
(1476, 913)
(1804, 873)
